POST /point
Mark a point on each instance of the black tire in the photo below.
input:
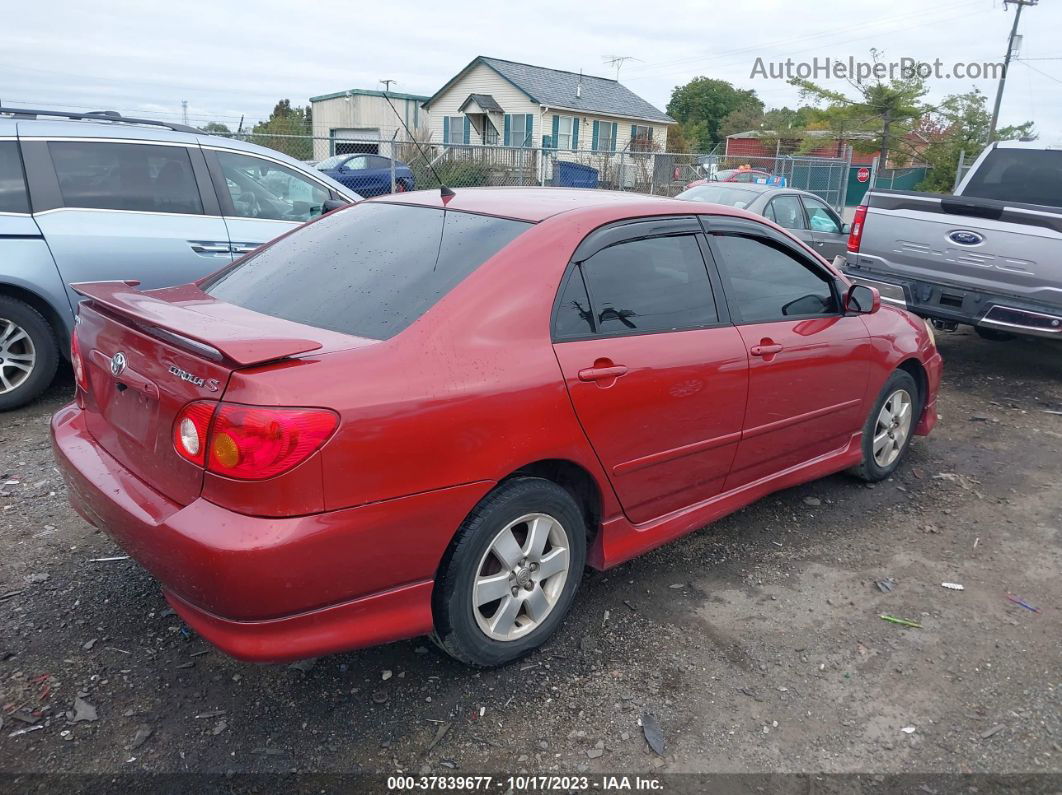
(870, 470)
(45, 350)
(457, 631)
(994, 335)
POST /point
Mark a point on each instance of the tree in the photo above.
(701, 105)
(889, 109)
(958, 127)
(216, 128)
(287, 130)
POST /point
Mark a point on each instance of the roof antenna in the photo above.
(444, 192)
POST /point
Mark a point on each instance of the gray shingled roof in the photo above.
(556, 89)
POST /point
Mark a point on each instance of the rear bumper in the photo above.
(271, 588)
(962, 305)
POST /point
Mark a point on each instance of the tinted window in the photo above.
(368, 271)
(720, 194)
(788, 212)
(12, 182)
(820, 219)
(112, 176)
(658, 284)
(765, 283)
(1032, 176)
(574, 316)
(263, 189)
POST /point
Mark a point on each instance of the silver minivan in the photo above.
(99, 196)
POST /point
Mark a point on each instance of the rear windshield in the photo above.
(719, 194)
(1028, 176)
(369, 271)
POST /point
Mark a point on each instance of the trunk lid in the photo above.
(147, 355)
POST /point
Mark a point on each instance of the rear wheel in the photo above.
(29, 353)
(888, 429)
(512, 573)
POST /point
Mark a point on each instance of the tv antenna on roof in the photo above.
(617, 61)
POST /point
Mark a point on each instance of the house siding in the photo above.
(481, 79)
(363, 112)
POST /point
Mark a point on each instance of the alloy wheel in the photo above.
(17, 356)
(520, 577)
(892, 428)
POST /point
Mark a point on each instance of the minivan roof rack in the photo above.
(98, 115)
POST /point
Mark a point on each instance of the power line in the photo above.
(1040, 71)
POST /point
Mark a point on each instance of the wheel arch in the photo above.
(914, 368)
(48, 311)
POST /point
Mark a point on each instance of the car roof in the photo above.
(755, 187)
(537, 204)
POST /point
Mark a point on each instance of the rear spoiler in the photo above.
(243, 345)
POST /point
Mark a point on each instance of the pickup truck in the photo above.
(989, 256)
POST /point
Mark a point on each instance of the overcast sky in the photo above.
(229, 59)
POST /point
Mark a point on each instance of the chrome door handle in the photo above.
(244, 248)
(209, 246)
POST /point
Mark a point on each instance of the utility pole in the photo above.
(184, 111)
(1006, 62)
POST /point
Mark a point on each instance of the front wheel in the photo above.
(512, 573)
(888, 429)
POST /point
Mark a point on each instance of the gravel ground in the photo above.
(756, 643)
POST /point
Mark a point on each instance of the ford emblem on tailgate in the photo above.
(964, 237)
(118, 364)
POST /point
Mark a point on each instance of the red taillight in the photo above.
(190, 431)
(855, 236)
(250, 442)
(80, 376)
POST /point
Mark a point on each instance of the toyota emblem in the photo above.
(118, 364)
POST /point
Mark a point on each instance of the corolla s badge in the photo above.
(118, 364)
(965, 237)
(194, 380)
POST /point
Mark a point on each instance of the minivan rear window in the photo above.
(369, 271)
(1028, 176)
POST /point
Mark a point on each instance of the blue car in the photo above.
(369, 175)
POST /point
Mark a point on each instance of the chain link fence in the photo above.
(641, 170)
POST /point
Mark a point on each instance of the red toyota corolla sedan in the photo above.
(421, 416)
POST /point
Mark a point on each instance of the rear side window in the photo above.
(655, 284)
(116, 176)
(1030, 176)
(12, 181)
(369, 271)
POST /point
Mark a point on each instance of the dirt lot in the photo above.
(756, 642)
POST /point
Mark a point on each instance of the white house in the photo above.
(493, 101)
(361, 120)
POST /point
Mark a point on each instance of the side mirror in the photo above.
(862, 299)
(845, 229)
(333, 204)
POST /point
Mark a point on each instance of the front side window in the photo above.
(766, 283)
(13, 197)
(267, 190)
(787, 212)
(655, 284)
(117, 176)
(369, 271)
(820, 219)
